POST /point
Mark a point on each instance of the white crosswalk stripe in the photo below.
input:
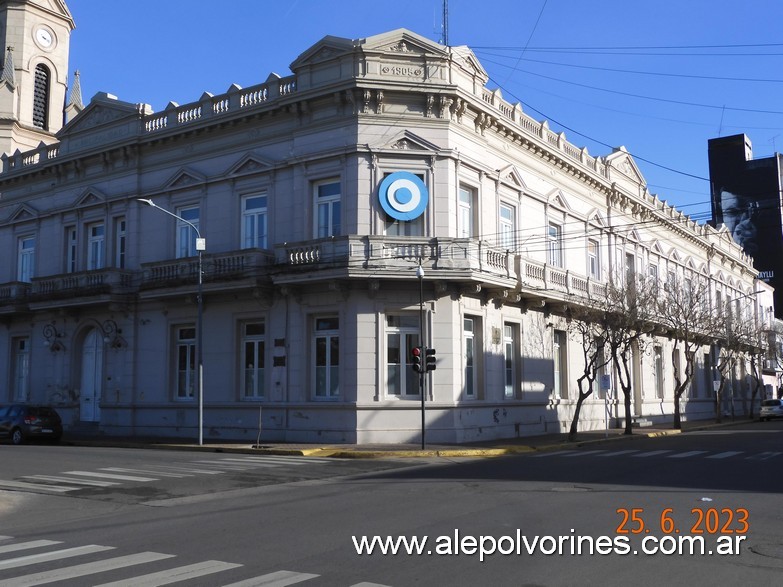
(90, 482)
(110, 476)
(31, 559)
(277, 579)
(652, 453)
(131, 562)
(583, 453)
(725, 455)
(173, 575)
(84, 569)
(36, 486)
(764, 456)
(617, 453)
(148, 472)
(555, 454)
(685, 455)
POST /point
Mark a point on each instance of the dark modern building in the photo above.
(746, 198)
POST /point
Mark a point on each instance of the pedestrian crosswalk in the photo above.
(64, 482)
(29, 563)
(667, 454)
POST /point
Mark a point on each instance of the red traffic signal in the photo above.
(416, 359)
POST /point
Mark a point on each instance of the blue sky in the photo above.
(660, 78)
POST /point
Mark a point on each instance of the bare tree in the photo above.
(629, 313)
(739, 339)
(586, 328)
(689, 321)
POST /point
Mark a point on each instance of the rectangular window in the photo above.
(26, 259)
(254, 222)
(465, 212)
(560, 363)
(600, 364)
(326, 354)
(593, 261)
(71, 248)
(120, 238)
(630, 268)
(511, 359)
(186, 236)
(507, 222)
(554, 245)
(253, 359)
(471, 338)
(327, 209)
(402, 335)
(96, 246)
(658, 371)
(21, 367)
(186, 362)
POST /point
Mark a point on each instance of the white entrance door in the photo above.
(92, 376)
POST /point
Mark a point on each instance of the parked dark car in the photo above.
(21, 423)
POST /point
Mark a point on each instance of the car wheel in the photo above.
(16, 436)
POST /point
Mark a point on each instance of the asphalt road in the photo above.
(582, 513)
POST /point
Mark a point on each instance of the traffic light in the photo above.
(429, 362)
(416, 359)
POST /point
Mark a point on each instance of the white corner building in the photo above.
(321, 198)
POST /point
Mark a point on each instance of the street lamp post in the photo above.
(201, 246)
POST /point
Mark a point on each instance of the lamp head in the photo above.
(147, 201)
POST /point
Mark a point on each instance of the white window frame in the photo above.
(594, 259)
(555, 244)
(185, 362)
(470, 357)
(120, 241)
(327, 209)
(253, 352)
(186, 236)
(255, 221)
(326, 357)
(658, 371)
(402, 335)
(511, 360)
(560, 363)
(72, 249)
(466, 203)
(96, 245)
(25, 269)
(507, 223)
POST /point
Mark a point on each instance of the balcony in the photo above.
(229, 270)
(83, 288)
(14, 297)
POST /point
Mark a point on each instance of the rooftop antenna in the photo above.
(445, 23)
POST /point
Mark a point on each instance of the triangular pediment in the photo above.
(657, 248)
(23, 213)
(408, 141)
(633, 235)
(102, 111)
(183, 179)
(557, 199)
(624, 168)
(510, 174)
(596, 218)
(465, 57)
(401, 42)
(675, 256)
(720, 277)
(90, 197)
(249, 164)
(327, 48)
(56, 7)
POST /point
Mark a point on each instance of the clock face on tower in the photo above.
(44, 37)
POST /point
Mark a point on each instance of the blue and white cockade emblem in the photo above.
(403, 196)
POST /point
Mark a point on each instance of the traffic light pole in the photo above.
(420, 275)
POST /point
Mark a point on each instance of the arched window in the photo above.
(41, 97)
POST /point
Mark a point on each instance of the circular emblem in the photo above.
(403, 196)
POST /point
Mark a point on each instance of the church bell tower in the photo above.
(35, 36)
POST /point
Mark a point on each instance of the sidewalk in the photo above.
(478, 449)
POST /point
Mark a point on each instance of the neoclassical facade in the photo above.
(379, 184)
